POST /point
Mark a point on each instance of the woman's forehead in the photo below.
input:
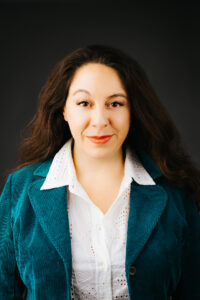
(93, 77)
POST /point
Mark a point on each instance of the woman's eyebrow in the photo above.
(109, 97)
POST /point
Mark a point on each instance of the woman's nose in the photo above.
(99, 117)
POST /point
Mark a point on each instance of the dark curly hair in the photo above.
(151, 130)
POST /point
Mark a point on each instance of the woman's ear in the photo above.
(64, 114)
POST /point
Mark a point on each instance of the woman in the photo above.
(105, 202)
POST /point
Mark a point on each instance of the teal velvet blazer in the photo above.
(163, 239)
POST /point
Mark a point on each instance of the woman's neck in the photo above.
(99, 168)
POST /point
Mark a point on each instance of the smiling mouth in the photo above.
(100, 140)
(100, 137)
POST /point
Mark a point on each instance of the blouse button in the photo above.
(132, 270)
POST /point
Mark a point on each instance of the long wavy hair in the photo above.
(151, 128)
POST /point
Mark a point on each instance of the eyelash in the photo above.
(120, 104)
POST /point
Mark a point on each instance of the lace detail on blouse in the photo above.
(98, 249)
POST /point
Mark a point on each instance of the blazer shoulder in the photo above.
(25, 172)
(22, 177)
(18, 182)
(40, 168)
(179, 199)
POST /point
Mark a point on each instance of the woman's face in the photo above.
(97, 105)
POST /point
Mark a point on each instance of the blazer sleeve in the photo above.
(11, 286)
(189, 285)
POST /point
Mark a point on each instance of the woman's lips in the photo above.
(100, 140)
(100, 137)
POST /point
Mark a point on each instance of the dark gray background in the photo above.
(162, 35)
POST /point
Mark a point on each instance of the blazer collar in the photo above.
(147, 203)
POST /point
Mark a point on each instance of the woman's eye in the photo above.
(115, 103)
(80, 103)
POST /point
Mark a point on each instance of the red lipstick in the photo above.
(100, 139)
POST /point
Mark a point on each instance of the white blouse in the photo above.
(98, 240)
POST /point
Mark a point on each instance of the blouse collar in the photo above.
(62, 171)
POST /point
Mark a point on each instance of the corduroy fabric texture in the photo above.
(163, 239)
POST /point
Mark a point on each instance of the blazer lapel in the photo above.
(147, 203)
(50, 207)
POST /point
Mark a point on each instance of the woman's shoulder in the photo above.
(180, 201)
(26, 173)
